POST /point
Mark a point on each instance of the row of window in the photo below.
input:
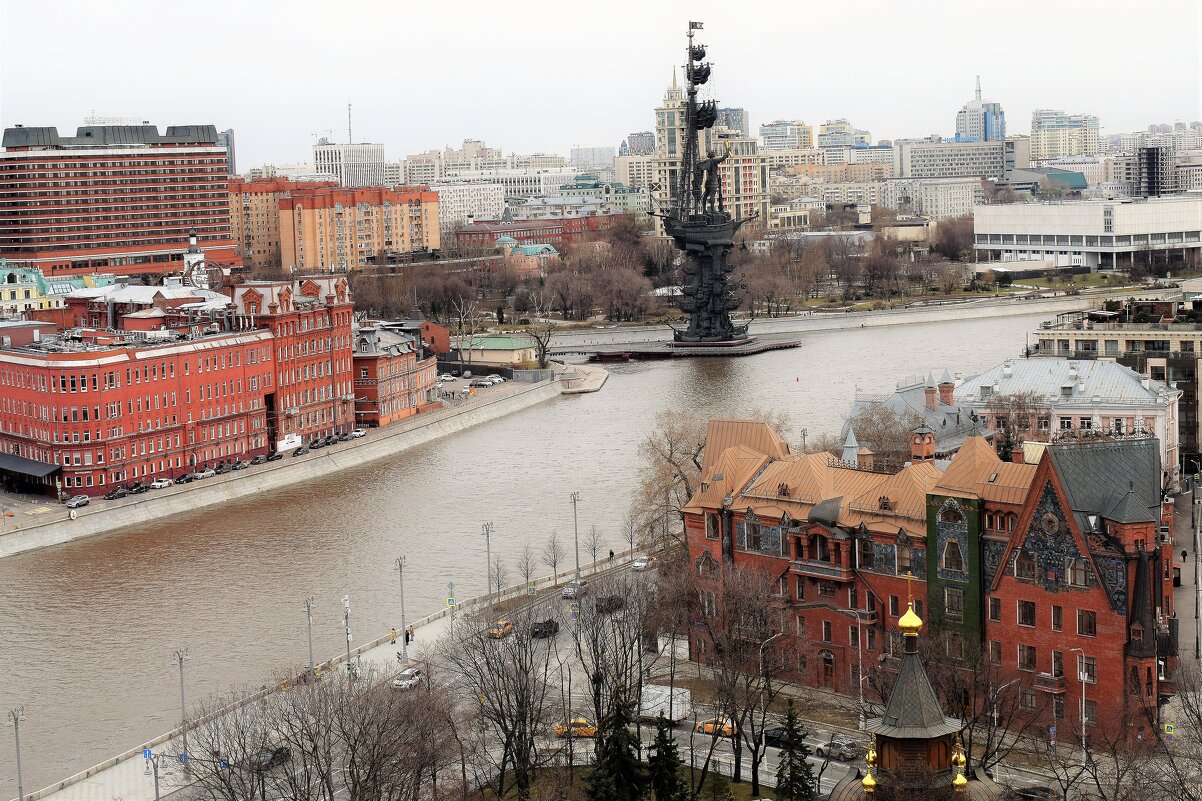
(1025, 615)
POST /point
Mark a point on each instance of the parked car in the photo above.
(644, 563)
(574, 590)
(407, 678)
(576, 727)
(317, 443)
(160, 483)
(208, 472)
(275, 457)
(116, 494)
(332, 439)
(1034, 793)
(775, 737)
(446, 377)
(502, 628)
(223, 468)
(719, 726)
(270, 758)
(241, 464)
(497, 379)
(544, 628)
(137, 488)
(184, 479)
(358, 432)
(455, 374)
(260, 459)
(839, 748)
(344, 436)
(301, 451)
(609, 604)
(480, 383)
(78, 501)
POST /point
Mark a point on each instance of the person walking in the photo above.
(409, 635)
(611, 555)
(393, 632)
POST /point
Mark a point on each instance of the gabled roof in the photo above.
(1098, 476)
(913, 711)
(758, 436)
(726, 477)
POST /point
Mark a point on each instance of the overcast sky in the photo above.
(544, 76)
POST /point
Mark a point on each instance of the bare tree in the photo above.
(540, 329)
(526, 565)
(592, 541)
(1014, 414)
(500, 574)
(553, 555)
(886, 432)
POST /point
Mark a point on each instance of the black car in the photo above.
(344, 437)
(260, 459)
(301, 451)
(184, 479)
(137, 488)
(331, 440)
(610, 603)
(224, 468)
(1034, 793)
(544, 628)
(116, 493)
(456, 373)
(274, 457)
(317, 443)
(269, 758)
(775, 737)
(241, 464)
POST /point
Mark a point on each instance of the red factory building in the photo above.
(395, 375)
(113, 198)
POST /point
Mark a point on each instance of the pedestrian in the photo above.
(611, 555)
(393, 632)
(409, 633)
(1183, 555)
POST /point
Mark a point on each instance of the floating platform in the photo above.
(678, 350)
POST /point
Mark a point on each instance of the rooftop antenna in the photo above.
(978, 87)
(350, 140)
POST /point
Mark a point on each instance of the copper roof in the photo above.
(975, 471)
(758, 436)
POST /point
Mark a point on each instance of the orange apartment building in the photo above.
(255, 217)
(342, 229)
(113, 198)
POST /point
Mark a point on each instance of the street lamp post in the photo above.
(15, 716)
(309, 623)
(346, 622)
(763, 704)
(178, 659)
(997, 771)
(487, 530)
(400, 567)
(860, 660)
(576, 532)
(1081, 676)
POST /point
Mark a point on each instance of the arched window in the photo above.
(952, 558)
(950, 515)
(1024, 566)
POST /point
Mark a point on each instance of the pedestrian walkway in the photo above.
(1185, 598)
(581, 378)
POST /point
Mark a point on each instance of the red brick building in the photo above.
(557, 231)
(394, 375)
(113, 198)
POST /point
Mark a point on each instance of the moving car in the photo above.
(301, 451)
(609, 604)
(116, 493)
(576, 727)
(575, 589)
(358, 432)
(496, 379)
(408, 678)
(160, 483)
(839, 748)
(78, 501)
(775, 737)
(502, 628)
(260, 459)
(269, 758)
(208, 472)
(719, 726)
(644, 563)
(544, 628)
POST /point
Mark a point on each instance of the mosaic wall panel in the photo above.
(884, 558)
(956, 533)
(1050, 542)
(918, 563)
(1113, 573)
(994, 553)
(770, 540)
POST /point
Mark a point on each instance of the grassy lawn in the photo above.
(562, 784)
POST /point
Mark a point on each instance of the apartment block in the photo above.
(352, 165)
(458, 203)
(1055, 134)
(255, 217)
(786, 135)
(939, 159)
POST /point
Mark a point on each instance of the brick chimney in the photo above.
(930, 393)
(1016, 454)
(947, 389)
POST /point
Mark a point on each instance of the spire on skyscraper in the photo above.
(978, 87)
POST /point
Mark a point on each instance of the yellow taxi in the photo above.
(576, 727)
(719, 726)
(502, 628)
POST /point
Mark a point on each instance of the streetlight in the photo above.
(763, 705)
(178, 659)
(400, 567)
(15, 716)
(860, 658)
(346, 622)
(309, 621)
(576, 532)
(1081, 675)
(487, 530)
(997, 771)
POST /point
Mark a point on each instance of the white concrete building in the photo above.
(786, 135)
(592, 157)
(937, 159)
(1055, 134)
(635, 170)
(351, 165)
(458, 202)
(937, 198)
(516, 182)
(1095, 233)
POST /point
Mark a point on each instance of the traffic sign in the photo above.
(1052, 733)
(147, 753)
(183, 758)
(450, 601)
(224, 764)
(530, 590)
(1169, 728)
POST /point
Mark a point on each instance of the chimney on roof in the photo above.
(1016, 454)
(930, 393)
(947, 389)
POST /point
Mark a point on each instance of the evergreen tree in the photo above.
(794, 777)
(617, 774)
(665, 765)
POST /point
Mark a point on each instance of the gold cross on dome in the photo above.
(909, 588)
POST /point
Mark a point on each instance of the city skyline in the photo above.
(540, 109)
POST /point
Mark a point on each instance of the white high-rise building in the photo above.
(980, 120)
(636, 171)
(353, 165)
(1055, 134)
(592, 157)
(458, 202)
(786, 135)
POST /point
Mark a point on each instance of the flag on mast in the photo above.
(694, 26)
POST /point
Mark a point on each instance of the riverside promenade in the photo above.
(129, 776)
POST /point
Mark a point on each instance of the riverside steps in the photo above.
(42, 522)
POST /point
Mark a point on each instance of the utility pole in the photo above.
(15, 716)
(178, 659)
(309, 621)
(576, 532)
(804, 432)
(860, 661)
(346, 622)
(487, 530)
(1197, 589)
(154, 760)
(1081, 676)
(400, 567)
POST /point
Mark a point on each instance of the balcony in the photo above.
(820, 569)
(1166, 638)
(1049, 683)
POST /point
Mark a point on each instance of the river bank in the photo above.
(51, 524)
